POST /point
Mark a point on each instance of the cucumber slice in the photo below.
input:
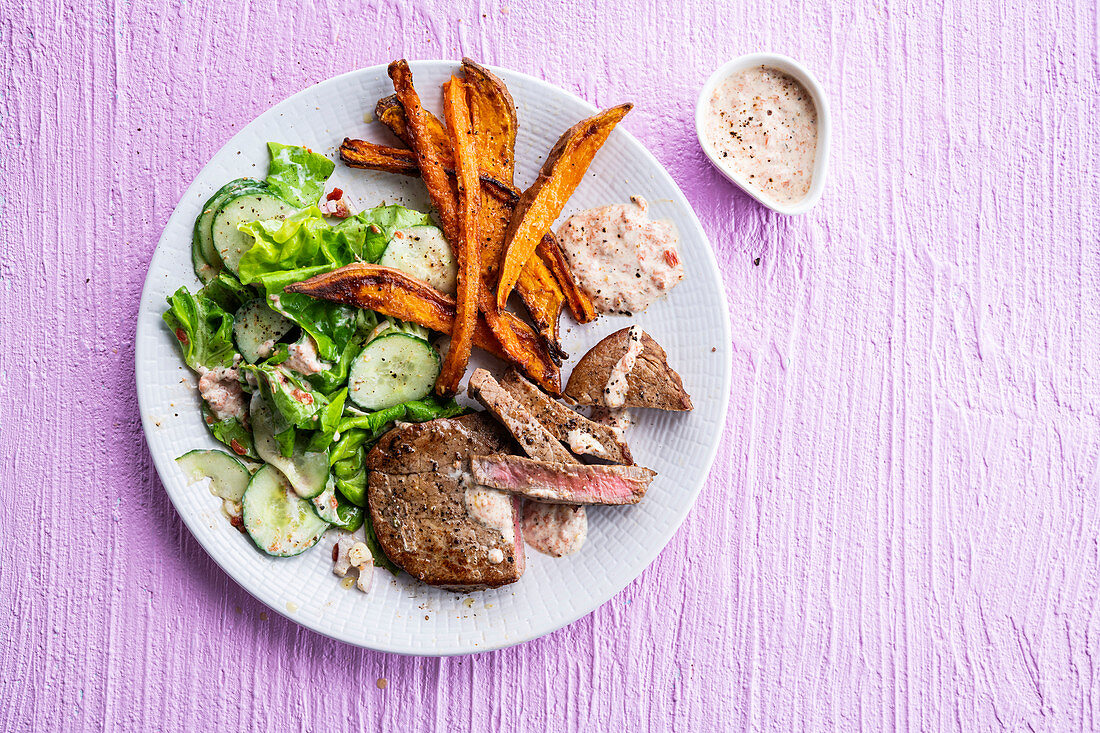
(204, 255)
(307, 472)
(391, 369)
(423, 253)
(332, 508)
(231, 243)
(279, 521)
(228, 476)
(255, 324)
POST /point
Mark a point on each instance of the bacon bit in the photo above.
(209, 419)
(237, 447)
(182, 336)
(671, 258)
(237, 522)
(302, 396)
(335, 551)
(336, 193)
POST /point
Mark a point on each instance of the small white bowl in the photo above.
(821, 159)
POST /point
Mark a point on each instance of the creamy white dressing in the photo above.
(302, 357)
(584, 443)
(493, 509)
(622, 259)
(554, 529)
(222, 391)
(618, 383)
(763, 125)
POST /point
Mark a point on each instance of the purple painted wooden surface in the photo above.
(901, 528)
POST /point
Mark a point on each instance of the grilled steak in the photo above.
(583, 436)
(650, 381)
(556, 530)
(562, 483)
(536, 440)
(430, 518)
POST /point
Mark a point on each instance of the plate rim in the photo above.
(161, 462)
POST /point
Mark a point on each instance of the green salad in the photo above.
(297, 389)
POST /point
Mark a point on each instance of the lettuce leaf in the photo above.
(297, 174)
(230, 432)
(203, 329)
(293, 399)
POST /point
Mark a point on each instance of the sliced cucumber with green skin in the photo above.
(423, 253)
(307, 472)
(391, 369)
(332, 508)
(280, 522)
(231, 243)
(204, 255)
(254, 325)
(228, 476)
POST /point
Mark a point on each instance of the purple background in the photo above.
(901, 529)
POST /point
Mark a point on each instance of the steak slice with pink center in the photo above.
(562, 483)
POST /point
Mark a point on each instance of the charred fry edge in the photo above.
(469, 270)
(566, 158)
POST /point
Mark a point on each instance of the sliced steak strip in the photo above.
(650, 382)
(583, 436)
(562, 483)
(428, 515)
(535, 440)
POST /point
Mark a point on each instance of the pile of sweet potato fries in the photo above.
(501, 238)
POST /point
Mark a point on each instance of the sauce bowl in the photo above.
(824, 126)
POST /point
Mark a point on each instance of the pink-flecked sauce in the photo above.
(763, 126)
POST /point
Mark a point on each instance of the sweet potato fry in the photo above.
(395, 294)
(363, 154)
(545, 285)
(424, 142)
(494, 117)
(467, 245)
(580, 305)
(542, 203)
(373, 156)
(391, 113)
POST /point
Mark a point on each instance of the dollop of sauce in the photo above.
(493, 509)
(554, 529)
(763, 125)
(622, 259)
(221, 389)
(614, 393)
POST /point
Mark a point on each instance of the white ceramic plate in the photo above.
(400, 614)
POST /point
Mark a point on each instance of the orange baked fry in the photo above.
(423, 141)
(493, 113)
(541, 204)
(580, 305)
(468, 251)
(393, 293)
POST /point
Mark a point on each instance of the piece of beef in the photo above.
(430, 518)
(535, 440)
(583, 436)
(562, 483)
(651, 382)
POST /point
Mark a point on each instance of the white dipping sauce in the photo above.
(621, 259)
(763, 125)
